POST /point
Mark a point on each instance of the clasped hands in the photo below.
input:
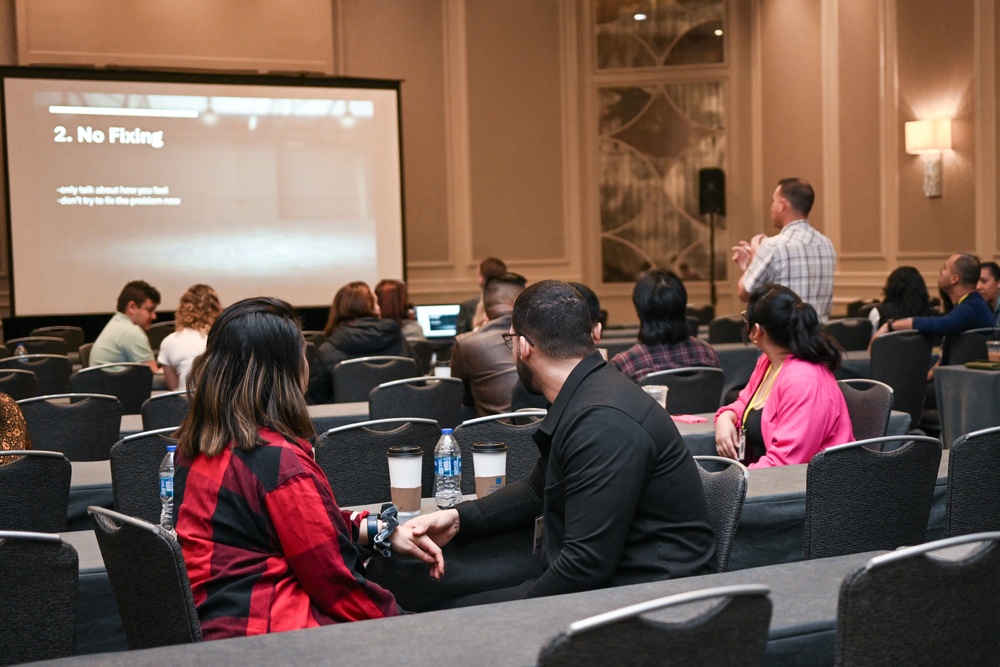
(744, 252)
(422, 537)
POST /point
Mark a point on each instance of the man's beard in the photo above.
(527, 376)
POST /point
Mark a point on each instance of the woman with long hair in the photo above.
(792, 407)
(904, 295)
(197, 311)
(267, 548)
(394, 302)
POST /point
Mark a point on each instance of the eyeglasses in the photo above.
(508, 339)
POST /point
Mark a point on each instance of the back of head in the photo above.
(798, 193)
(967, 268)
(491, 266)
(555, 318)
(250, 375)
(137, 291)
(593, 303)
(198, 309)
(905, 287)
(393, 299)
(500, 292)
(792, 325)
(352, 301)
(660, 300)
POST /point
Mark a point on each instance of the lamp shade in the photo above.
(927, 135)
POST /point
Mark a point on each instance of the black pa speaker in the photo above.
(712, 191)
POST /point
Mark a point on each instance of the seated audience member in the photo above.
(124, 338)
(266, 547)
(354, 330)
(14, 435)
(196, 312)
(472, 312)
(792, 407)
(619, 494)
(989, 288)
(904, 295)
(665, 341)
(480, 358)
(394, 303)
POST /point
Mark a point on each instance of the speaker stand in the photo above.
(711, 259)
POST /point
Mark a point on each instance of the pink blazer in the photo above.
(804, 413)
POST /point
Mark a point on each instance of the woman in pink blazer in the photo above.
(792, 406)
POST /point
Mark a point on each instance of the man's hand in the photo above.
(427, 533)
(744, 253)
(405, 541)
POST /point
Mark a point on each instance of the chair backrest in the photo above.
(911, 608)
(158, 331)
(135, 473)
(423, 350)
(130, 383)
(84, 429)
(693, 325)
(149, 579)
(966, 346)
(353, 379)
(439, 399)
(725, 492)
(39, 345)
(51, 371)
(18, 383)
(693, 389)
(73, 336)
(38, 592)
(616, 345)
(514, 429)
(731, 632)
(869, 403)
(859, 499)
(726, 329)
(84, 352)
(354, 457)
(163, 410)
(853, 333)
(34, 491)
(973, 501)
(315, 337)
(901, 360)
(854, 307)
(704, 313)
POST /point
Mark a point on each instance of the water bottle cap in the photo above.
(446, 431)
(171, 448)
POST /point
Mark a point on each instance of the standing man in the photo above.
(618, 494)
(799, 257)
(472, 313)
(989, 288)
(124, 338)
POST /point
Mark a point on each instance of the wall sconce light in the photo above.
(928, 138)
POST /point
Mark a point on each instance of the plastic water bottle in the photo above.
(21, 351)
(447, 471)
(167, 489)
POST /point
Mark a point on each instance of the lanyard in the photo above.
(758, 398)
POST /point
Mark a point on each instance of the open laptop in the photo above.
(438, 320)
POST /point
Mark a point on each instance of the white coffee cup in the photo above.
(489, 462)
(405, 468)
(442, 369)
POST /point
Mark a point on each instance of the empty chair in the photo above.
(514, 429)
(854, 307)
(733, 631)
(72, 335)
(869, 403)
(158, 331)
(973, 501)
(18, 383)
(163, 410)
(130, 383)
(901, 360)
(38, 591)
(353, 379)
(859, 499)
(39, 345)
(725, 492)
(135, 472)
(967, 346)
(34, 491)
(726, 329)
(84, 429)
(84, 352)
(354, 457)
(149, 579)
(914, 607)
(704, 314)
(439, 399)
(51, 371)
(853, 333)
(693, 389)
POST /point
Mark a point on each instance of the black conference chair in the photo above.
(39, 345)
(854, 307)
(84, 429)
(616, 345)
(693, 325)
(869, 404)
(135, 473)
(163, 410)
(859, 499)
(968, 346)
(423, 350)
(34, 491)
(317, 338)
(915, 607)
(901, 360)
(725, 491)
(354, 457)
(704, 313)
(158, 331)
(973, 501)
(853, 333)
(439, 399)
(726, 329)
(84, 352)
(149, 579)
(38, 592)
(51, 371)
(353, 379)
(73, 336)
(514, 429)
(18, 384)
(130, 383)
(731, 633)
(693, 389)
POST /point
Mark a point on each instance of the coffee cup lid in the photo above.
(489, 447)
(405, 450)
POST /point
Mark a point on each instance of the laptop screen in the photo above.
(438, 321)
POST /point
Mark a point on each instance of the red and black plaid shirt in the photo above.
(641, 359)
(266, 547)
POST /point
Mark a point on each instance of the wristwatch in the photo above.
(889, 323)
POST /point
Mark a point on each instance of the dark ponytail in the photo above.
(793, 325)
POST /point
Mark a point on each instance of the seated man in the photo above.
(472, 313)
(619, 495)
(124, 337)
(480, 357)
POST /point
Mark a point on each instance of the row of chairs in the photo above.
(42, 374)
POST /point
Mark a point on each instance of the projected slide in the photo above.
(255, 189)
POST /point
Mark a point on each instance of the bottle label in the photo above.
(448, 466)
(167, 487)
